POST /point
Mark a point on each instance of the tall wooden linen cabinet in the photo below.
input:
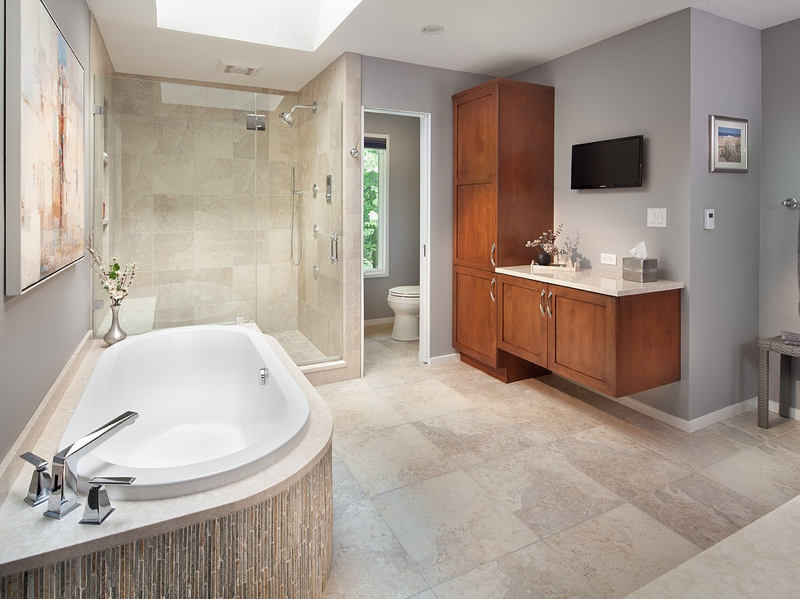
(502, 197)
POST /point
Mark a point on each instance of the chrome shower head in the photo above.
(287, 117)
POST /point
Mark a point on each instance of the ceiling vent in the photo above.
(238, 69)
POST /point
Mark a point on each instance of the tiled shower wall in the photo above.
(320, 298)
(190, 180)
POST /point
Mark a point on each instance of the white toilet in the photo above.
(404, 302)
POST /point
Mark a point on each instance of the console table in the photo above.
(787, 352)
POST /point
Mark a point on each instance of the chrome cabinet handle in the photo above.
(549, 297)
(491, 254)
(541, 301)
(491, 290)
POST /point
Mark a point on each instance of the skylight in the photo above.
(295, 24)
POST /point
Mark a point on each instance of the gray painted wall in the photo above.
(402, 86)
(723, 282)
(403, 132)
(40, 330)
(780, 179)
(635, 83)
(662, 80)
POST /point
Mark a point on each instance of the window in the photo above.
(376, 205)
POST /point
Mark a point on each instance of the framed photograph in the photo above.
(728, 145)
(44, 195)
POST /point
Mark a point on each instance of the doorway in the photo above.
(419, 245)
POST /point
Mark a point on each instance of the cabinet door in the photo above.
(522, 318)
(582, 336)
(475, 226)
(475, 314)
(475, 132)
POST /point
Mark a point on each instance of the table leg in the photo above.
(786, 371)
(763, 387)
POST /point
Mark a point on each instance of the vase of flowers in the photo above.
(116, 280)
(546, 242)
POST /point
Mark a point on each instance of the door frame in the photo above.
(424, 226)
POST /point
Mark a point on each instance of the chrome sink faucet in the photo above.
(64, 490)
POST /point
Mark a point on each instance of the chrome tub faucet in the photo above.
(64, 488)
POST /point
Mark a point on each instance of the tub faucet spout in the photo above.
(64, 491)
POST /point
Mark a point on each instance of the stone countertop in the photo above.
(30, 540)
(606, 283)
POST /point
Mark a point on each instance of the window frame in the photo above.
(382, 269)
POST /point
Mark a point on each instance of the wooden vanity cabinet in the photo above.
(616, 345)
(502, 171)
(502, 196)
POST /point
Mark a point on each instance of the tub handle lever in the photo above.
(98, 505)
(39, 489)
(264, 376)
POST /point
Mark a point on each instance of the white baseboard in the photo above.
(774, 407)
(442, 360)
(690, 426)
(374, 321)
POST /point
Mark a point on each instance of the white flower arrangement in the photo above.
(547, 240)
(114, 279)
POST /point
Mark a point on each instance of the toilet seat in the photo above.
(408, 291)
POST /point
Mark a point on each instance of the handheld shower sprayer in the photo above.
(287, 117)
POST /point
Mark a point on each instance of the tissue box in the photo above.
(640, 270)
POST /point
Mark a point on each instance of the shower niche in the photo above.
(218, 217)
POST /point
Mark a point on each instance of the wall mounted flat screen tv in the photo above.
(608, 163)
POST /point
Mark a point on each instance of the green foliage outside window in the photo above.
(371, 162)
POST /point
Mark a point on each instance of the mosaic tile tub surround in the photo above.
(277, 548)
(266, 536)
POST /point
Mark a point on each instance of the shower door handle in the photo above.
(334, 248)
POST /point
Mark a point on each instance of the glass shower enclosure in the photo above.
(224, 208)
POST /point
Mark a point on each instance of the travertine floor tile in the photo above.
(535, 572)
(700, 509)
(360, 413)
(544, 490)
(384, 375)
(539, 418)
(786, 446)
(473, 436)
(332, 390)
(425, 399)
(767, 480)
(368, 561)
(481, 388)
(618, 463)
(744, 428)
(621, 550)
(450, 525)
(391, 458)
(346, 489)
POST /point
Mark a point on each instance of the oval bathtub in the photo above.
(205, 418)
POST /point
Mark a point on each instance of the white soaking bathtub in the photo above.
(205, 418)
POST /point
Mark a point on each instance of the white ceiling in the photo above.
(497, 38)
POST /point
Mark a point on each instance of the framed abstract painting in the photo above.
(45, 211)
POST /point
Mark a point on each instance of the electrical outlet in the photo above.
(610, 259)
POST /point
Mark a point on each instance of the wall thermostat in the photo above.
(708, 219)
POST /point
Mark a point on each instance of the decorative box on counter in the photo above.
(640, 270)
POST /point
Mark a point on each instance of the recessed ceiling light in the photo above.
(432, 29)
(299, 24)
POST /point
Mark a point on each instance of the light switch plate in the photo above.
(657, 217)
(708, 219)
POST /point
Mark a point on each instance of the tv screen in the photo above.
(608, 163)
